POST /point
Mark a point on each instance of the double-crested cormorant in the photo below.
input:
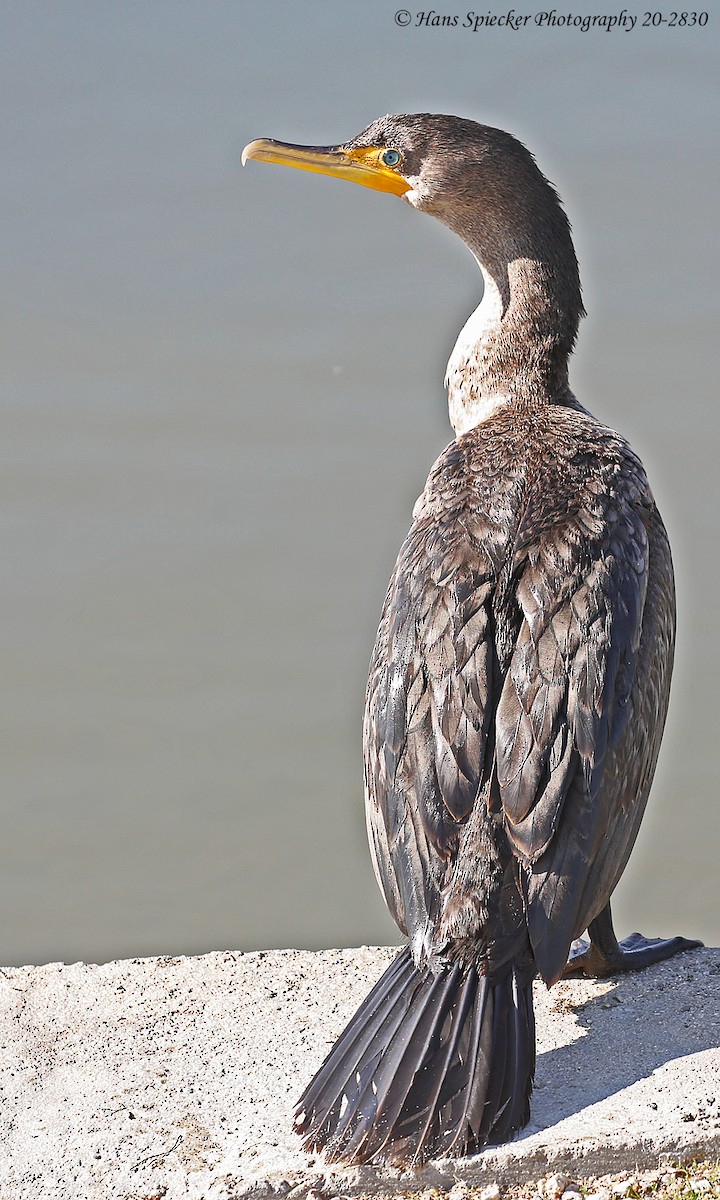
(519, 682)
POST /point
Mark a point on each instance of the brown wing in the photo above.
(570, 693)
(571, 881)
(429, 707)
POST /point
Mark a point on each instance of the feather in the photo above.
(432, 1062)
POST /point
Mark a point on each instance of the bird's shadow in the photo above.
(641, 1022)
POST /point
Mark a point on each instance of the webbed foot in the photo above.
(603, 955)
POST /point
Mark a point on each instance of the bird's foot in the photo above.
(631, 954)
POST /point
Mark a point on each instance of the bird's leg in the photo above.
(603, 955)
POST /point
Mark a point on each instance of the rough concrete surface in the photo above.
(175, 1077)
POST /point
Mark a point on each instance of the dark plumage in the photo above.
(519, 683)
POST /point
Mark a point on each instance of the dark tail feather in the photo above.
(430, 1065)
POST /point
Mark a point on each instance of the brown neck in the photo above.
(515, 347)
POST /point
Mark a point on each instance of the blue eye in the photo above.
(391, 158)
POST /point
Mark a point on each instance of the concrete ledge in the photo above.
(175, 1077)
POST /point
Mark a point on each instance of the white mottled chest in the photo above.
(468, 403)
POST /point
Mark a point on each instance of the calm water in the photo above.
(222, 392)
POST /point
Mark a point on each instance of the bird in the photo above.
(518, 686)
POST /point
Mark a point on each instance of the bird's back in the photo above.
(530, 614)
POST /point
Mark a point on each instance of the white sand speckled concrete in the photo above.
(175, 1077)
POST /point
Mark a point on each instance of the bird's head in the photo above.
(486, 187)
(479, 181)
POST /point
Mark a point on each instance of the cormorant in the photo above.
(519, 683)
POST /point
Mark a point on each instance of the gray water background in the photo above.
(222, 392)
